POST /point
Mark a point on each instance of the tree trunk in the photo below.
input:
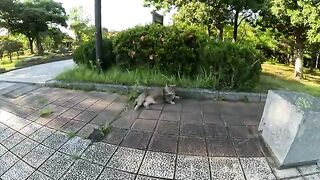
(98, 32)
(317, 61)
(298, 71)
(10, 56)
(31, 44)
(220, 29)
(39, 46)
(235, 25)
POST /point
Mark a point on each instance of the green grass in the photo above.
(71, 135)
(280, 77)
(275, 77)
(135, 77)
(46, 112)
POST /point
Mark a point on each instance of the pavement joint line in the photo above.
(178, 141)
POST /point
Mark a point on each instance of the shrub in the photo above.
(86, 55)
(234, 66)
(170, 49)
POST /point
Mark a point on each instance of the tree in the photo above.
(10, 46)
(80, 24)
(31, 18)
(300, 19)
(220, 12)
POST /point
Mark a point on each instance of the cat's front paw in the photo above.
(177, 97)
(171, 102)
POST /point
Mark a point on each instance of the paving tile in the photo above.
(83, 170)
(75, 146)
(42, 134)
(309, 169)
(164, 143)
(167, 128)
(86, 116)
(29, 129)
(98, 106)
(286, 173)
(38, 155)
(126, 159)
(72, 126)
(215, 130)
(140, 177)
(126, 120)
(56, 140)
(115, 136)
(170, 116)
(239, 132)
(13, 140)
(24, 147)
(56, 165)
(104, 117)
(191, 118)
(2, 150)
(137, 139)
(99, 153)
(59, 110)
(6, 133)
(144, 125)
(17, 123)
(220, 147)
(173, 107)
(226, 168)
(157, 107)
(192, 146)
(44, 120)
(71, 113)
(114, 174)
(20, 170)
(38, 176)
(87, 130)
(256, 168)
(191, 106)
(233, 120)
(85, 104)
(247, 147)
(192, 167)
(6, 161)
(58, 122)
(312, 177)
(150, 114)
(158, 164)
(192, 130)
(213, 119)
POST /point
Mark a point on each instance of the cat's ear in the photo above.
(166, 85)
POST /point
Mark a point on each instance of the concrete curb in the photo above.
(184, 92)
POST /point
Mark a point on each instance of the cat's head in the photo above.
(170, 89)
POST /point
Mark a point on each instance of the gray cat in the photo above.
(155, 96)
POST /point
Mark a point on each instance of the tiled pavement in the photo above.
(189, 140)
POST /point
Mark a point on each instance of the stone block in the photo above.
(290, 127)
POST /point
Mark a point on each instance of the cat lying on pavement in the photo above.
(155, 96)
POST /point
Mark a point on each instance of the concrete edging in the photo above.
(184, 92)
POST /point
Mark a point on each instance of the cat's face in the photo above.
(170, 90)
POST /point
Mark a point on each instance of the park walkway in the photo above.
(190, 140)
(38, 73)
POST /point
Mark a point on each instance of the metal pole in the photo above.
(98, 31)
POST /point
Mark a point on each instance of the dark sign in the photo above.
(157, 18)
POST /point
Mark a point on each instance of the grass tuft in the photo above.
(46, 112)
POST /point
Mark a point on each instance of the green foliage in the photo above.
(170, 49)
(234, 66)
(86, 55)
(9, 46)
(46, 112)
(71, 135)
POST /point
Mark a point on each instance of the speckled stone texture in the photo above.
(83, 170)
(158, 165)
(38, 155)
(38, 176)
(126, 159)
(226, 168)
(20, 170)
(6, 161)
(109, 173)
(56, 140)
(75, 146)
(99, 153)
(256, 168)
(56, 165)
(24, 147)
(192, 167)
